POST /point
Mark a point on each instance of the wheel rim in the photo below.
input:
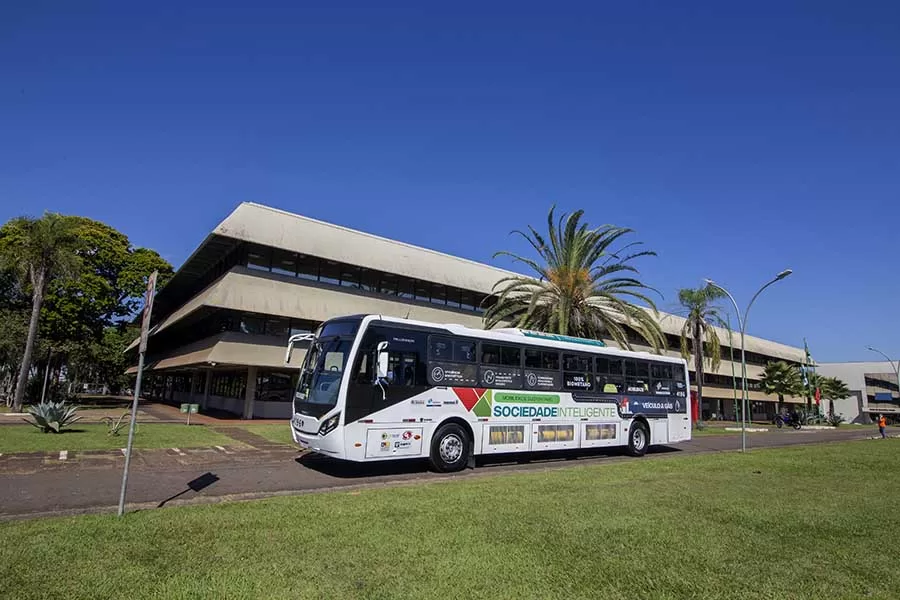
(639, 438)
(450, 448)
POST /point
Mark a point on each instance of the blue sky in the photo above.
(737, 140)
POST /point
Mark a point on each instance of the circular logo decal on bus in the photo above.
(488, 377)
(532, 379)
(437, 374)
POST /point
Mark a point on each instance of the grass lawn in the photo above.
(279, 433)
(25, 438)
(712, 526)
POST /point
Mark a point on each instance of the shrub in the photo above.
(835, 420)
(52, 416)
(116, 424)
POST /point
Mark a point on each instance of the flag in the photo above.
(818, 396)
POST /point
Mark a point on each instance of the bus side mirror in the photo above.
(381, 356)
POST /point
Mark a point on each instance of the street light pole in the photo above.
(890, 362)
(742, 322)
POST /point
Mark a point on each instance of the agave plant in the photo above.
(52, 416)
(115, 424)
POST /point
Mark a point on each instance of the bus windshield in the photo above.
(323, 368)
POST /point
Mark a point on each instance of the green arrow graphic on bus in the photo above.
(483, 407)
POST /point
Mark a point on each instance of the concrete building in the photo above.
(873, 387)
(220, 326)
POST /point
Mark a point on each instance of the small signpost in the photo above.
(190, 409)
(145, 333)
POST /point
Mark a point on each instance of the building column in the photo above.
(250, 395)
(193, 386)
(206, 382)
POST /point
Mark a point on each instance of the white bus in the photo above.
(375, 388)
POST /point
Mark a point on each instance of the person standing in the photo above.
(882, 423)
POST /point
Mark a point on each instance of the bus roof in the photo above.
(536, 338)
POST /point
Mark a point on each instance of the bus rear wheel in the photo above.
(450, 448)
(638, 439)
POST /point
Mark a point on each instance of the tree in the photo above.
(699, 331)
(584, 286)
(78, 310)
(108, 289)
(833, 389)
(38, 251)
(782, 379)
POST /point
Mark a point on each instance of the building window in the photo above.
(259, 258)
(307, 267)
(252, 324)
(438, 294)
(330, 272)
(350, 276)
(277, 327)
(423, 291)
(284, 263)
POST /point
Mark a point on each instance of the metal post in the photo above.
(142, 350)
(743, 325)
(134, 408)
(46, 375)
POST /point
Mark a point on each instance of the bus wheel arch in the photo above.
(452, 446)
(638, 436)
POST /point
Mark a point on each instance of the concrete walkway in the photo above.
(89, 482)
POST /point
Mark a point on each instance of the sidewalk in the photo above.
(151, 412)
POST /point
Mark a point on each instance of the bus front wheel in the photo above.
(638, 439)
(450, 448)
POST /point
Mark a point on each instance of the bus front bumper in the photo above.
(316, 443)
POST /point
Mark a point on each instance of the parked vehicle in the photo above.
(791, 420)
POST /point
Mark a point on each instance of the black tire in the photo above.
(450, 448)
(796, 425)
(638, 439)
(779, 423)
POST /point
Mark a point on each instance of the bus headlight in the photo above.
(329, 425)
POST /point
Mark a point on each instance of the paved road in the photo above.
(90, 483)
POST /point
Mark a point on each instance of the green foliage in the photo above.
(87, 279)
(52, 416)
(702, 316)
(109, 288)
(103, 360)
(39, 251)
(835, 420)
(833, 388)
(782, 379)
(583, 285)
(115, 425)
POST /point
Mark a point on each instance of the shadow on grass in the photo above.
(195, 485)
(417, 466)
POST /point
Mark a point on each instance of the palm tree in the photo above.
(782, 379)
(833, 389)
(699, 331)
(583, 286)
(38, 251)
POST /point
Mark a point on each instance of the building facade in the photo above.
(220, 325)
(873, 390)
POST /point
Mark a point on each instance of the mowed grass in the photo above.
(279, 433)
(803, 522)
(26, 438)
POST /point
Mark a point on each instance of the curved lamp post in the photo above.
(890, 362)
(742, 322)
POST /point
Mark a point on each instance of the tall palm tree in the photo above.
(38, 250)
(833, 389)
(782, 379)
(583, 285)
(702, 317)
